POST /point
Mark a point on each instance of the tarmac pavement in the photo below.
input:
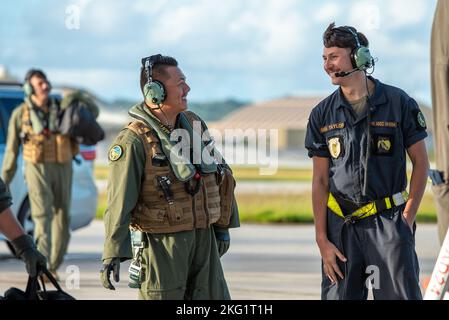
(265, 262)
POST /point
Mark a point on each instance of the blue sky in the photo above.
(250, 50)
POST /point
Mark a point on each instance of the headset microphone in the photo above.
(342, 74)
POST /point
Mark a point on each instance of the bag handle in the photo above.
(33, 285)
(51, 278)
(32, 288)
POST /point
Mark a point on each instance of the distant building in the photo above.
(5, 76)
(289, 116)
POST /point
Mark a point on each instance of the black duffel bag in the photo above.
(78, 119)
(36, 289)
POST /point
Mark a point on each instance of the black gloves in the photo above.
(26, 250)
(110, 265)
(223, 240)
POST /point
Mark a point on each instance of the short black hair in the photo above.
(35, 72)
(159, 72)
(341, 37)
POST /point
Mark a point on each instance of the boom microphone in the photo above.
(342, 74)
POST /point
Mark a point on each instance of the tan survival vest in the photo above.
(164, 205)
(39, 148)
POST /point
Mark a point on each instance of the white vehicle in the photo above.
(84, 190)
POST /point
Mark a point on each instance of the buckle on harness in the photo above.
(350, 219)
(400, 198)
(135, 275)
(135, 271)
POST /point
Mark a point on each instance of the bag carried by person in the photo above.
(38, 291)
(78, 119)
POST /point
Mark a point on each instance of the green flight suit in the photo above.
(439, 66)
(5, 197)
(49, 191)
(180, 265)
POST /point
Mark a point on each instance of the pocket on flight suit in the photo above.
(412, 230)
(334, 226)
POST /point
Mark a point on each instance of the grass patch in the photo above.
(282, 174)
(102, 204)
(247, 174)
(101, 172)
(272, 208)
(242, 173)
(287, 208)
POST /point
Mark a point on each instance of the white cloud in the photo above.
(406, 49)
(260, 34)
(365, 15)
(107, 83)
(103, 18)
(401, 13)
(328, 12)
(143, 6)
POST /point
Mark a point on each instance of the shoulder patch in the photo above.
(115, 152)
(421, 120)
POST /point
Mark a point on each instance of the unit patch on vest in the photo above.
(383, 144)
(115, 153)
(335, 145)
(334, 126)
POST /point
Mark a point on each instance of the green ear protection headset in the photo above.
(27, 87)
(360, 56)
(153, 90)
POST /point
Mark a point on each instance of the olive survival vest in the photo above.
(45, 147)
(167, 204)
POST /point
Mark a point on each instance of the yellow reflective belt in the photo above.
(367, 210)
(334, 206)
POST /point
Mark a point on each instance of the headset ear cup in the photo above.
(363, 58)
(154, 92)
(28, 88)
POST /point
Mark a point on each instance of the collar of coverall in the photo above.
(377, 98)
(182, 167)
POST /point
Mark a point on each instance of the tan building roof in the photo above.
(284, 113)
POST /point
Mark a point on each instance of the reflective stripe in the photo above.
(388, 203)
(334, 206)
(368, 209)
(365, 211)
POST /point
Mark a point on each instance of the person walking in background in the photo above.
(48, 166)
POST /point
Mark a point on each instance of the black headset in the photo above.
(153, 90)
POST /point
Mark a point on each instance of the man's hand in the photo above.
(27, 252)
(110, 265)
(223, 240)
(410, 219)
(329, 252)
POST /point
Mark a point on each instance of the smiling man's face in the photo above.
(177, 89)
(337, 59)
